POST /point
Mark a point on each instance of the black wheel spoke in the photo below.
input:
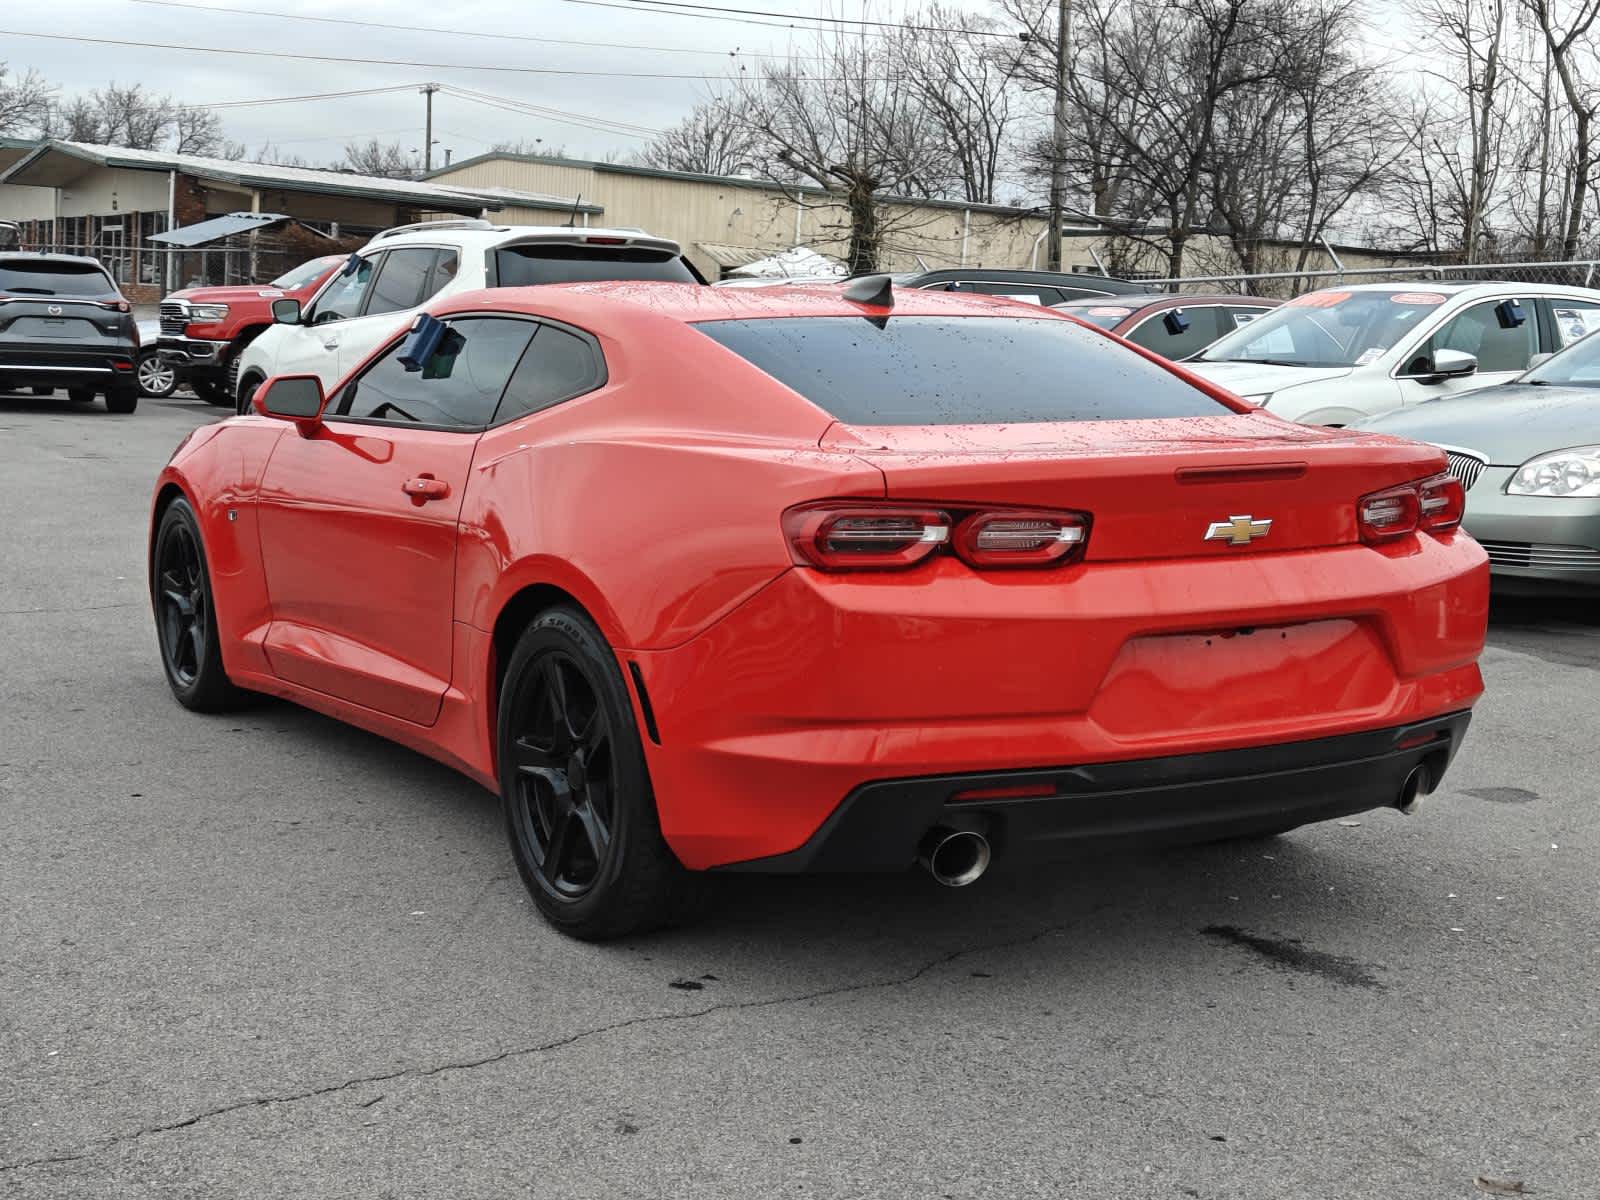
(594, 828)
(559, 849)
(528, 756)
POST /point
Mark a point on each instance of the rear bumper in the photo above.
(67, 366)
(1125, 805)
(819, 686)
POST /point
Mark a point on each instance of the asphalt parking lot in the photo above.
(268, 955)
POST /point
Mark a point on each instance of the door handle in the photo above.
(424, 488)
(333, 345)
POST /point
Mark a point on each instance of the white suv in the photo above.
(389, 279)
(1334, 356)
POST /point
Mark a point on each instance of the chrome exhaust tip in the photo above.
(1417, 785)
(955, 857)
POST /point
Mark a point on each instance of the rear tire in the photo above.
(81, 395)
(186, 617)
(580, 813)
(211, 393)
(122, 400)
(43, 391)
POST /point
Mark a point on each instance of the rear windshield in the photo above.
(521, 266)
(959, 370)
(43, 277)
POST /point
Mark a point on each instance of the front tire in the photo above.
(186, 618)
(247, 395)
(158, 378)
(580, 812)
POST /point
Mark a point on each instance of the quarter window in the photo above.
(558, 366)
(1161, 332)
(1574, 320)
(459, 386)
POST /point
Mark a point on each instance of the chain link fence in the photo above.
(1287, 284)
(162, 269)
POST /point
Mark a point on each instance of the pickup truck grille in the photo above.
(174, 318)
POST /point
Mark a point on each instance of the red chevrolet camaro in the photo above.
(822, 579)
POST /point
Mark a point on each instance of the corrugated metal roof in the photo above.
(442, 197)
(217, 228)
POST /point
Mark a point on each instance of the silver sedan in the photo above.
(1528, 453)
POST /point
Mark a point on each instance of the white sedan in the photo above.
(1337, 355)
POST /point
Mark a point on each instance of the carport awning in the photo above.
(217, 228)
(727, 256)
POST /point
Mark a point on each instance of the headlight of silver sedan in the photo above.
(1574, 472)
(208, 312)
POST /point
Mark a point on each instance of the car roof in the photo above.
(45, 256)
(1167, 300)
(689, 303)
(1109, 283)
(482, 235)
(1470, 290)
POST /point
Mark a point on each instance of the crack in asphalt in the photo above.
(525, 1051)
(74, 608)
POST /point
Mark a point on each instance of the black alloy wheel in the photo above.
(186, 622)
(580, 813)
(566, 777)
(158, 378)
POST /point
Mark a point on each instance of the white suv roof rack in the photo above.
(425, 226)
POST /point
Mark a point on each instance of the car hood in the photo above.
(1254, 379)
(228, 295)
(1511, 423)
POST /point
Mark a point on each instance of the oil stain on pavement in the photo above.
(1289, 953)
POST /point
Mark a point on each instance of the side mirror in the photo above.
(286, 311)
(1453, 364)
(297, 398)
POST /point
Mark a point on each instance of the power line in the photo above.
(582, 120)
(403, 87)
(396, 62)
(670, 5)
(338, 58)
(499, 37)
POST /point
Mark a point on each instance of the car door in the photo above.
(359, 522)
(1504, 341)
(312, 347)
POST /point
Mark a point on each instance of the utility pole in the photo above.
(1058, 134)
(428, 89)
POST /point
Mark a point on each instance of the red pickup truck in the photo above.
(203, 329)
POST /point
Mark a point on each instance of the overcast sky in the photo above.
(318, 131)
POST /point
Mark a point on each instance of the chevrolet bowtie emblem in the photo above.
(1237, 531)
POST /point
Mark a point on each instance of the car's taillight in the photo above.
(1433, 505)
(1442, 501)
(116, 305)
(873, 535)
(855, 537)
(1006, 538)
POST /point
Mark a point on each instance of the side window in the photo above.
(1154, 332)
(1574, 320)
(444, 270)
(1477, 331)
(1235, 317)
(558, 366)
(400, 282)
(343, 298)
(459, 385)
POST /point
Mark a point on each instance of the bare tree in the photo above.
(78, 120)
(199, 131)
(846, 120)
(24, 99)
(530, 146)
(388, 160)
(1566, 36)
(711, 140)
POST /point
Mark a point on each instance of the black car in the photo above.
(1045, 287)
(64, 324)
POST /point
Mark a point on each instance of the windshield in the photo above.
(960, 370)
(1327, 329)
(520, 266)
(1576, 366)
(1107, 316)
(303, 274)
(46, 277)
